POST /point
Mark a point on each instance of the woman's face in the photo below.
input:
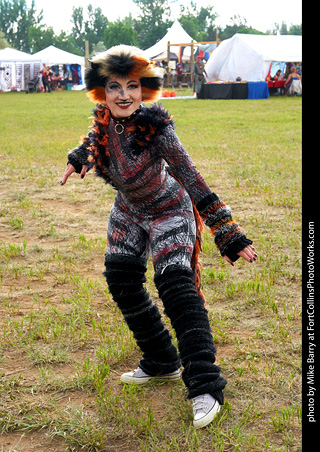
(123, 96)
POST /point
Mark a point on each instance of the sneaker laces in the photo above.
(139, 373)
(201, 403)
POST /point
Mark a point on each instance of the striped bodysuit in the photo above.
(155, 180)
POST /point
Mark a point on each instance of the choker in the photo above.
(119, 122)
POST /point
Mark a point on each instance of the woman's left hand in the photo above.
(71, 169)
(248, 253)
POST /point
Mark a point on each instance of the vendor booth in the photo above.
(69, 66)
(246, 59)
(17, 69)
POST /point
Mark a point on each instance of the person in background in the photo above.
(3, 87)
(46, 78)
(158, 210)
(278, 75)
(293, 84)
(164, 71)
(179, 74)
(198, 72)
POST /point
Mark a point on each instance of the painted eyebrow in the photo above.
(128, 83)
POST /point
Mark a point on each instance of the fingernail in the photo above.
(82, 176)
(61, 183)
(251, 260)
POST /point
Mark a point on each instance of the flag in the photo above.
(181, 49)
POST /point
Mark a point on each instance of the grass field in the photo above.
(63, 343)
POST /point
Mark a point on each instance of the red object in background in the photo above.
(269, 73)
(276, 84)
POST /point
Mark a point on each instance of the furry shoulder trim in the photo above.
(150, 123)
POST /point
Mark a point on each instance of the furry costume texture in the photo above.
(155, 210)
(189, 318)
(125, 276)
(148, 133)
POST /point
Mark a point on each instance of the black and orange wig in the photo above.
(123, 61)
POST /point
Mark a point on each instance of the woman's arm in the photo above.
(216, 214)
(79, 160)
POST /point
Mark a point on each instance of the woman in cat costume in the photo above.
(160, 208)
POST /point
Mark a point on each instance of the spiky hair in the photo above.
(123, 61)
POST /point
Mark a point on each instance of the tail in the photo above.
(195, 260)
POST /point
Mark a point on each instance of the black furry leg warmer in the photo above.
(189, 318)
(125, 276)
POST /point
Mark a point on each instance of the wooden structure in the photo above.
(187, 76)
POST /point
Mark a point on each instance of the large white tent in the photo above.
(52, 56)
(249, 56)
(18, 68)
(175, 35)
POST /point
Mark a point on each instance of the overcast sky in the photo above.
(260, 14)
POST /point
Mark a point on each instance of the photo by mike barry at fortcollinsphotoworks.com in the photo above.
(310, 405)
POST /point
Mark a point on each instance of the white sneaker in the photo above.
(139, 377)
(205, 407)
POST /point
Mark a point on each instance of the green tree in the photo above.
(40, 38)
(98, 48)
(120, 33)
(95, 26)
(250, 31)
(90, 29)
(78, 32)
(153, 22)
(239, 25)
(67, 43)
(198, 23)
(283, 29)
(3, 42)
(295, 30)
(15, 20)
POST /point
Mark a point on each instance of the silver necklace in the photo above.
(119, 127)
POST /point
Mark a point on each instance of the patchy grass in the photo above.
(63, 343)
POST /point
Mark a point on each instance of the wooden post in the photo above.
(192, 56)
(86, 53)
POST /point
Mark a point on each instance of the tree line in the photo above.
(22, 27)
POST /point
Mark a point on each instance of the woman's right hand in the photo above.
(71, 169)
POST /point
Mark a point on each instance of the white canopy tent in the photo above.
(18, 68)
(175, 35)
(249, 56)
(52, 56)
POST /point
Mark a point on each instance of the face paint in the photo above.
(123, 96)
